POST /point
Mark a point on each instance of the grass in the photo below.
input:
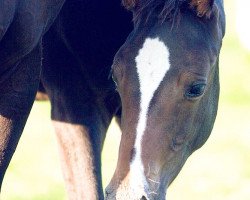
(218, 171)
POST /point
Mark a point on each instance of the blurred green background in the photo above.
(218, 171)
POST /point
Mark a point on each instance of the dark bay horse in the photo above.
(165, 95)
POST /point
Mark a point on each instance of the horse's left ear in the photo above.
(202, 7)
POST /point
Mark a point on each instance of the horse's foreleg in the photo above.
(80, 161)
(18, 85)
(80, 146)
(79, 116)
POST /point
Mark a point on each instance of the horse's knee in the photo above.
(18, 87)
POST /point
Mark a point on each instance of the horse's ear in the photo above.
(129, 4)
(202, 7)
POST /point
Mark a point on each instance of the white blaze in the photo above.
(152, 63)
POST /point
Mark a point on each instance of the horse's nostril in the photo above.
(108, 190)
(144, 198)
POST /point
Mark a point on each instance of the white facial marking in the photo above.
(152, 64)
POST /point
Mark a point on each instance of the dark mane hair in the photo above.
(167, 8)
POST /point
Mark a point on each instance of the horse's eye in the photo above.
(195, 90)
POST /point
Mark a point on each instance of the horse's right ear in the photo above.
(129, 4)
(202, 7)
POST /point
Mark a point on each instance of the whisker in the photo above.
(153, 192)
(148, 170)
(153, 181)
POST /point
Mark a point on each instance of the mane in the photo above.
(167, 9)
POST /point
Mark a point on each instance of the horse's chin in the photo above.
(135, 192)
(126, 191)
